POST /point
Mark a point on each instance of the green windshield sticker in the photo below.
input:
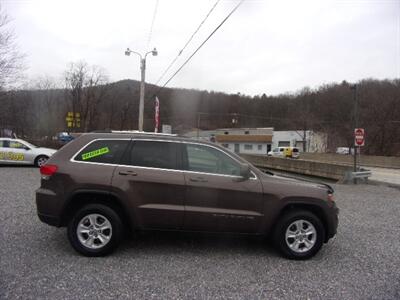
(94, 153)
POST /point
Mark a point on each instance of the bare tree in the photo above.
(86, 86)
(47, 108)
(74, 84)
(11, 59)
(96, 88)
(304, 118)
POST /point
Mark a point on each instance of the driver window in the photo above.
(209, 160)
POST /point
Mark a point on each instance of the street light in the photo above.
(143, 70)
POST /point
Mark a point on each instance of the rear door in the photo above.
(151, 178)
(93, 166)
(216, 197)
(4, 144)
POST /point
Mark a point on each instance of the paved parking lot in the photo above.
(362, 262)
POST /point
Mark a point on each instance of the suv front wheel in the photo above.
(95, 230)
(40, 160)
(299, 234)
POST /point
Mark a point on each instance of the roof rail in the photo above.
(142, 132)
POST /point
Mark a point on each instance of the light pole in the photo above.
(142, 76)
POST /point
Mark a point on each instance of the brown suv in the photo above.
(101, 184)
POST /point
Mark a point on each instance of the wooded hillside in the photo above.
(41, 112)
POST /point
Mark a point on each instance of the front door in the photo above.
(237, 149)
(150, 176)
(217, 199)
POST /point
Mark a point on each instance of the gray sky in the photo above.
(267, 47)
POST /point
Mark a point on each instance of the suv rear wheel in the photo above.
(299, 234)
(95, 230)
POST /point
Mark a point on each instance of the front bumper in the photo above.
(333, 222)
(50, 220)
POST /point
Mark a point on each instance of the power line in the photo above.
(152, 25)
(187, 43)
(201, 45)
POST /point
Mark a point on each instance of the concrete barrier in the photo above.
(364, 160)
(313, 168)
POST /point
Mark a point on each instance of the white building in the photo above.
(314, 141)
(262, 140)
(239, 140)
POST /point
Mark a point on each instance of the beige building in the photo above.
(239, 140)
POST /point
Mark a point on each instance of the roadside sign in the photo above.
(359, 137)
(73, 121)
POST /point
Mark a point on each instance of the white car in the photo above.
(16, 151)
(344, 150)
(292, 152)
(279, 151)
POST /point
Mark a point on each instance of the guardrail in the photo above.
(357, 176)
(365, 160)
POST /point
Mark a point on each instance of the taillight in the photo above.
(330, 197)
(48, 170)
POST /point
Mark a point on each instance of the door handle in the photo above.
(198, 179)
(129, 173)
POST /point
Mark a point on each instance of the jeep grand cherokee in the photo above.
(102, 184)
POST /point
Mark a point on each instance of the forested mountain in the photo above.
(329, 108)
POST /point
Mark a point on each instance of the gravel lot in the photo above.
(361, 262)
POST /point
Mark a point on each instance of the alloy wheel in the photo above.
(301, 236)
(94, 231)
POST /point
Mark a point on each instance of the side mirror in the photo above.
(27, 148)
(245, 171)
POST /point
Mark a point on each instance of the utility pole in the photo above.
(235, 119)
(142, 81)
(198, 125)
(354, 88)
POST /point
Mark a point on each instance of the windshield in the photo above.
(29, 144)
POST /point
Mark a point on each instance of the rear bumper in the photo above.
(48, 207)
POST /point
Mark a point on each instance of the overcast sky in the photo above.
(266, 46)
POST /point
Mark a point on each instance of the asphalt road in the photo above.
(389, 176)
(361, 262)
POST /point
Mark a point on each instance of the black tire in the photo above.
(38, 159)
(286, 222)
(104, 212)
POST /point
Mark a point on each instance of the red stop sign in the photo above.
(359, 137)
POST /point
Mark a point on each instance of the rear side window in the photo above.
(103, 151)
(4, 143)
(162, 155)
